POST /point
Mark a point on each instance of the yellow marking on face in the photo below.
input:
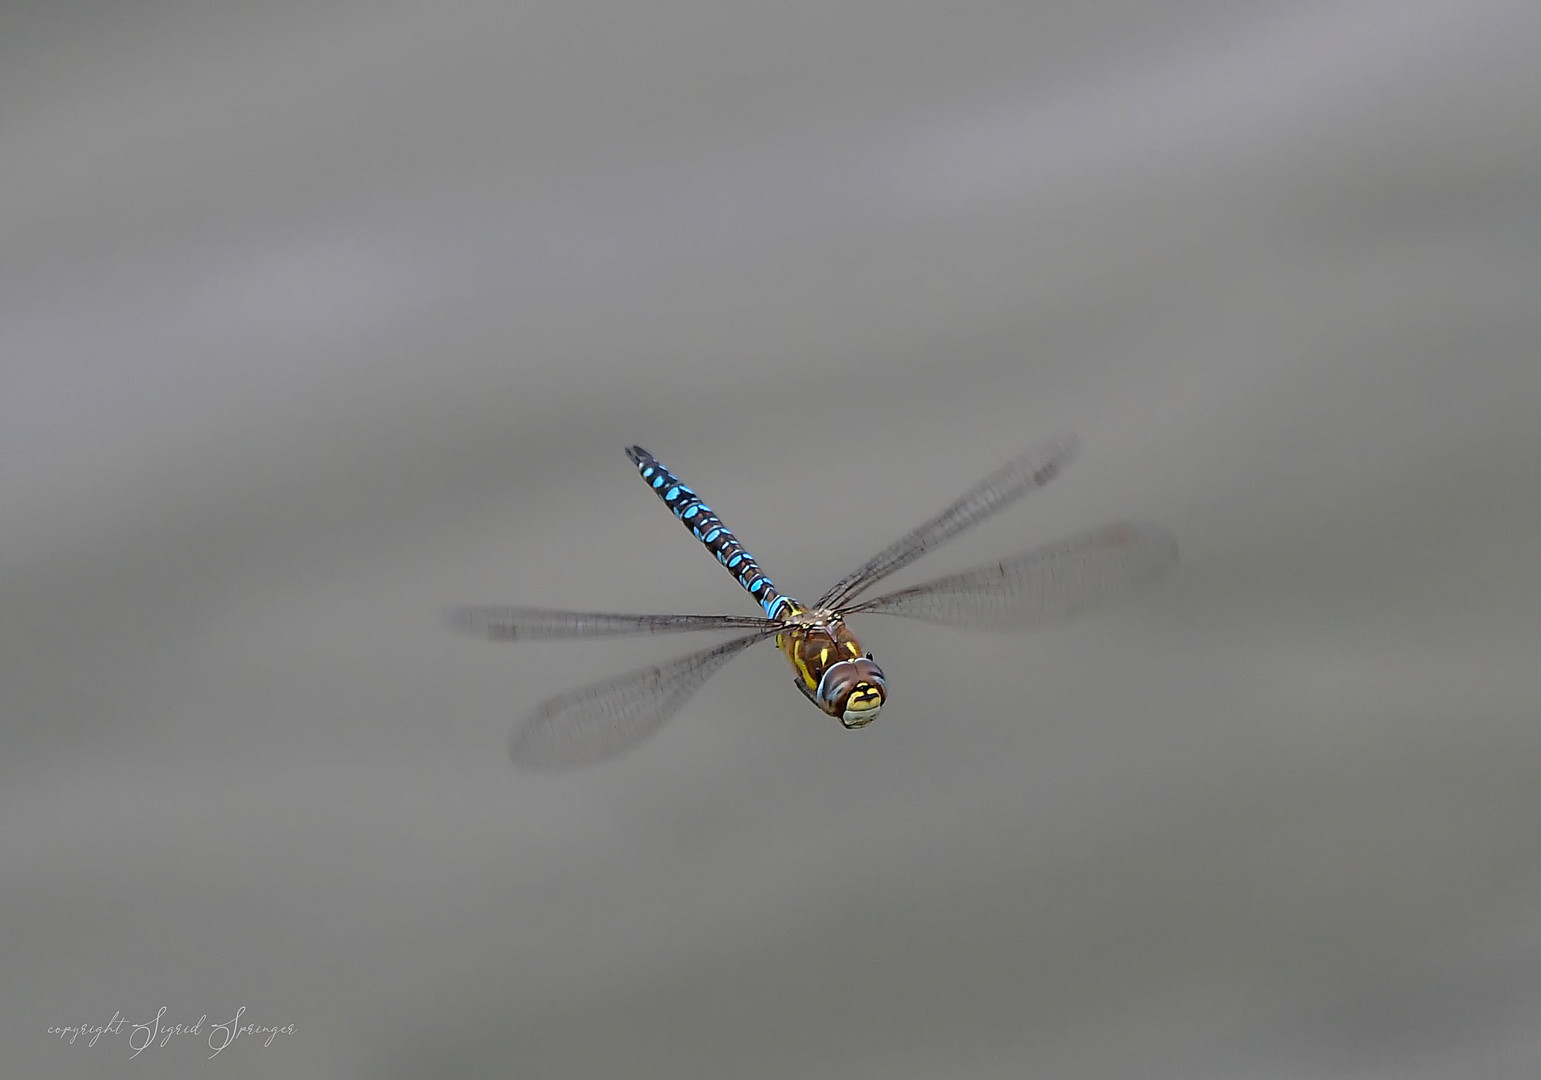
(864, 696)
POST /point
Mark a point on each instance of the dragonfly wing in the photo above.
(499, 623)
(1038, 587)
(608, 718)
(995, 492)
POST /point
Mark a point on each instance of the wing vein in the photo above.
(607, 718)
(503, 623)
(1027, 472)
(1045, 585)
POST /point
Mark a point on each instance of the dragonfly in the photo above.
(830, 667)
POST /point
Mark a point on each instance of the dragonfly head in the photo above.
(853, 690)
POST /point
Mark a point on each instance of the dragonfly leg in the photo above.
(807, 693)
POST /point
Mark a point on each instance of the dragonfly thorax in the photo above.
(831, 669)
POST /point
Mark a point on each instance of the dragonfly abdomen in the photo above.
(708, 528)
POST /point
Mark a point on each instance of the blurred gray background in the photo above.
(317, 318)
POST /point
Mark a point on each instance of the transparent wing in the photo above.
(1041, 586)
(499, 623)
(608, 718)
(1000, 489)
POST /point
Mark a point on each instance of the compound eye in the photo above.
(836, 687)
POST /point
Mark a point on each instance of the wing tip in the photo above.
(536, 747)
(475, 621)
(459, 618)
(1055, 453)
(1157, 545)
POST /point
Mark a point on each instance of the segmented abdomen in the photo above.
(708, 528)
